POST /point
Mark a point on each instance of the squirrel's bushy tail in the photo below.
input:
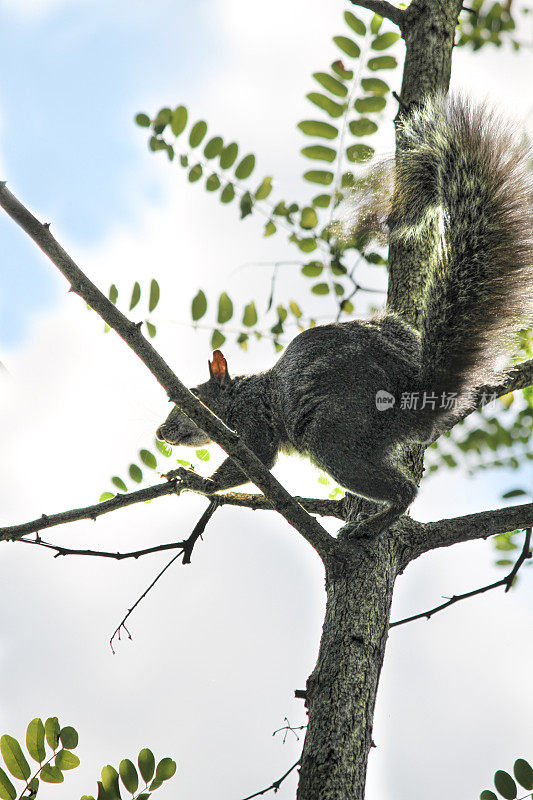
(465, 170)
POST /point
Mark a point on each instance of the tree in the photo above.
(359, 582)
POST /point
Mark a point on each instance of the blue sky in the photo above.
(73, 79)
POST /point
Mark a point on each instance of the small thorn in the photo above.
(138, 325)
(46, 225)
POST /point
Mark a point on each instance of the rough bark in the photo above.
(341, 690)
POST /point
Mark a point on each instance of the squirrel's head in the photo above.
(214, 393)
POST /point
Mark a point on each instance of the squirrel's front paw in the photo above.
(187, 479)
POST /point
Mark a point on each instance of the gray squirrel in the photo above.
(337, 393)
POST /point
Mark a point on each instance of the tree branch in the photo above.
(256, 502)
(186, 552)
(130, 332)
(507, 581)
(421, 538)
(383, 8)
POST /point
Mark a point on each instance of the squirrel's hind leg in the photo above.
(374, 479)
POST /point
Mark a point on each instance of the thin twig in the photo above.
(507, 582)
(130, 332)
(186, 551)
(275, 785)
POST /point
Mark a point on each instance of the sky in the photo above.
(219, 647)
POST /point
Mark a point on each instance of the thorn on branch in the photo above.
(46, 225)
(300, 694)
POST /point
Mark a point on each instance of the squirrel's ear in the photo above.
(218, 368)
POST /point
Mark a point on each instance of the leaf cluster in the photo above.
(506, 785)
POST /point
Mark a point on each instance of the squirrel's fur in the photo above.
(462, 172)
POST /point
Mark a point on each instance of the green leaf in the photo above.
(514, 493)
(347, 46)
(14, 757)
(227, 194)
(372, 103)
(135, 295)
(228, 155)
(315, 128)
(340, 70)
(165, 769)
(212, 149)
(110, 781)
(313, 269)
(384, 40)
(51, 728)
(156, 144)
(146, 763)
(359, 152)
(355, 23)
(217, 339)
(128, 775)
(319, 152)
(7, 790)
(113, 293)
(162, 119)
(320, 288)
(35, 740)
(151, 329)
(523, 773)
(225, 308)
(143, 120)
(487, 795)
(382, 62)
(376, 23)
(309, 218)
(66, 760)
(246, 204)
(212, 183)
(326, 104)
(119, 483)
(263, 189)
(184, 160)
(375, 85)
(505, 784)
(195, 173)
(199, 306)
(69, 737)
(154, 295)
(135, 473)
(245, 167)
(319, 176)
(198, 131)
(178, 120)
(362, 127)
(270, 228)
(51, 774)
(249, 317)
(295, 309)
(164, 448)
(203, 454)
(331, 84)
(322, 200)
(148, 458)
(105, 496)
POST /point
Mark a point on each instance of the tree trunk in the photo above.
(341, 691)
